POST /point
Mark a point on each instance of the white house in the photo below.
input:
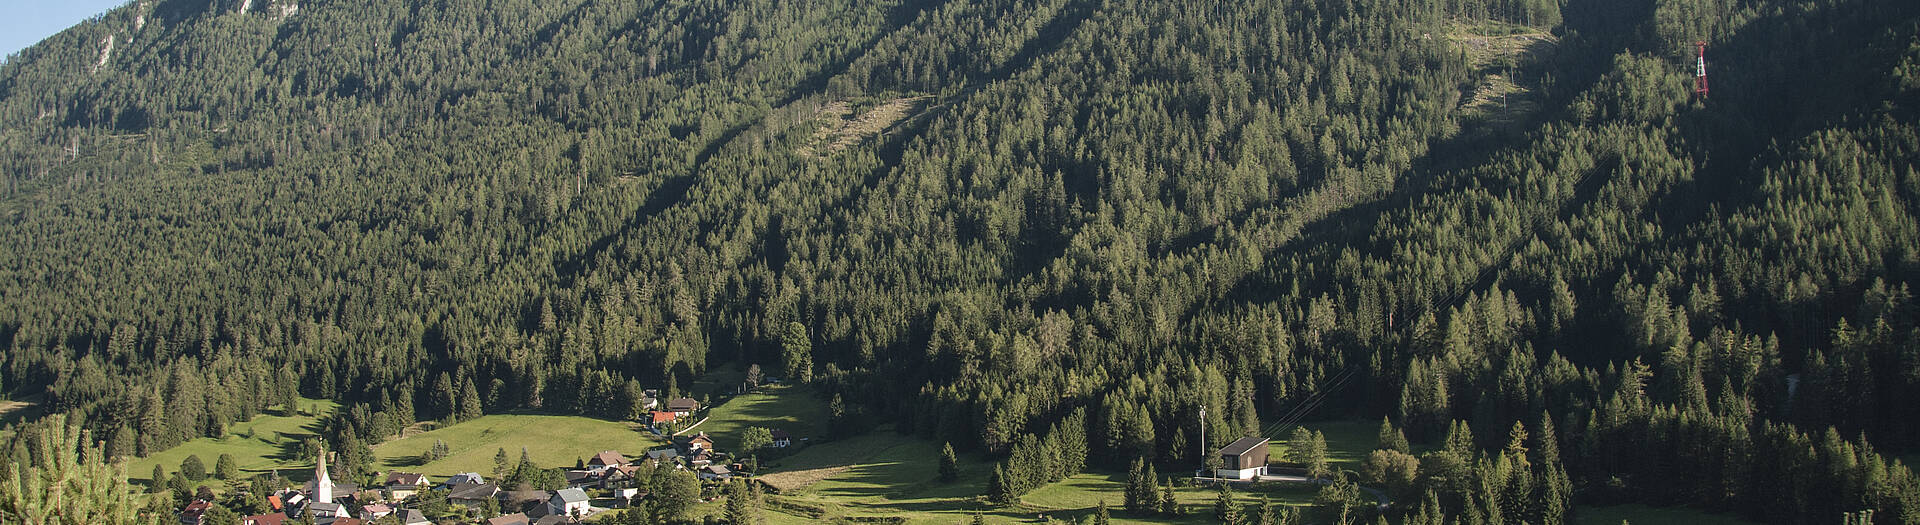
(715, 472)
(604, 460)
(569, 502)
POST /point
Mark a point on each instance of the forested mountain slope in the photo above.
(1018, 209)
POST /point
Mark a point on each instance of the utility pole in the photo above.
(1203, 439)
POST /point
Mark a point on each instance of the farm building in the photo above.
(1245, 458)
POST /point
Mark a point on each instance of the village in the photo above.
(609, 480)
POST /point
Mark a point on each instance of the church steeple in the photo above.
(322, 483)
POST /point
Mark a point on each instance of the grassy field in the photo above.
(887, 474)
(795, 409)
(550, 441)
(1645, 515)
(265, 443)
(1348, 441)
(1079, 495)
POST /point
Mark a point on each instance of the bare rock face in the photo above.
(281, 9)
(106, 52)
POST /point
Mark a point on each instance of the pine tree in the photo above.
(743, 506)
(1136, 475)
(158, 480)
(1224, 507)
(60, 487)
(1072, 439)
(193, 469)
(469, 407)
(500, 464)
(1317, 466)
(125, 444)
(225, 468)
(1169, 504)
(1391, 438)
(1100, 515)
(949, 464)
(997, 489)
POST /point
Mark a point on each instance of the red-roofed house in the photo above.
(195, 512)
(265, 519)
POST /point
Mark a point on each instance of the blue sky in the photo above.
(25, 22)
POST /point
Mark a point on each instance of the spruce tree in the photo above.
(1169, 502)
(1136, 476)
(193, 469)
(1224, 507)
(225, 468)
(949, 464)
(500, 465)
(1391, 438)
(997, 489)
(469, 406)
(743, 506)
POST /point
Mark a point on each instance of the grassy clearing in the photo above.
(1644, 515)
(795, 409)
(886, 474)
(14, 411)
(263, 444)
(550, 441)
(1080, 495)
(1348, 441)
(881, 474)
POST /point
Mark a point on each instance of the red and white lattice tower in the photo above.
(1700, 71)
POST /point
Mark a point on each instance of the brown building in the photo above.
(1245, 458)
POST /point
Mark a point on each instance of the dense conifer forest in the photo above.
(1046, 230)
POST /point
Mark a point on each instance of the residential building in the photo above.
(413, 517)
(403, 485)
(322, 509)
(568, 502)
(517, 518)
(660, 419)
(272, 518)
(605, 460)
(464, 478)
(473, 495)
(194, 513)
(683, 406)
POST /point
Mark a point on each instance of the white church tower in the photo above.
(322, 485)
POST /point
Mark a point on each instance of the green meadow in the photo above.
(266, 443)
(550, 441)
